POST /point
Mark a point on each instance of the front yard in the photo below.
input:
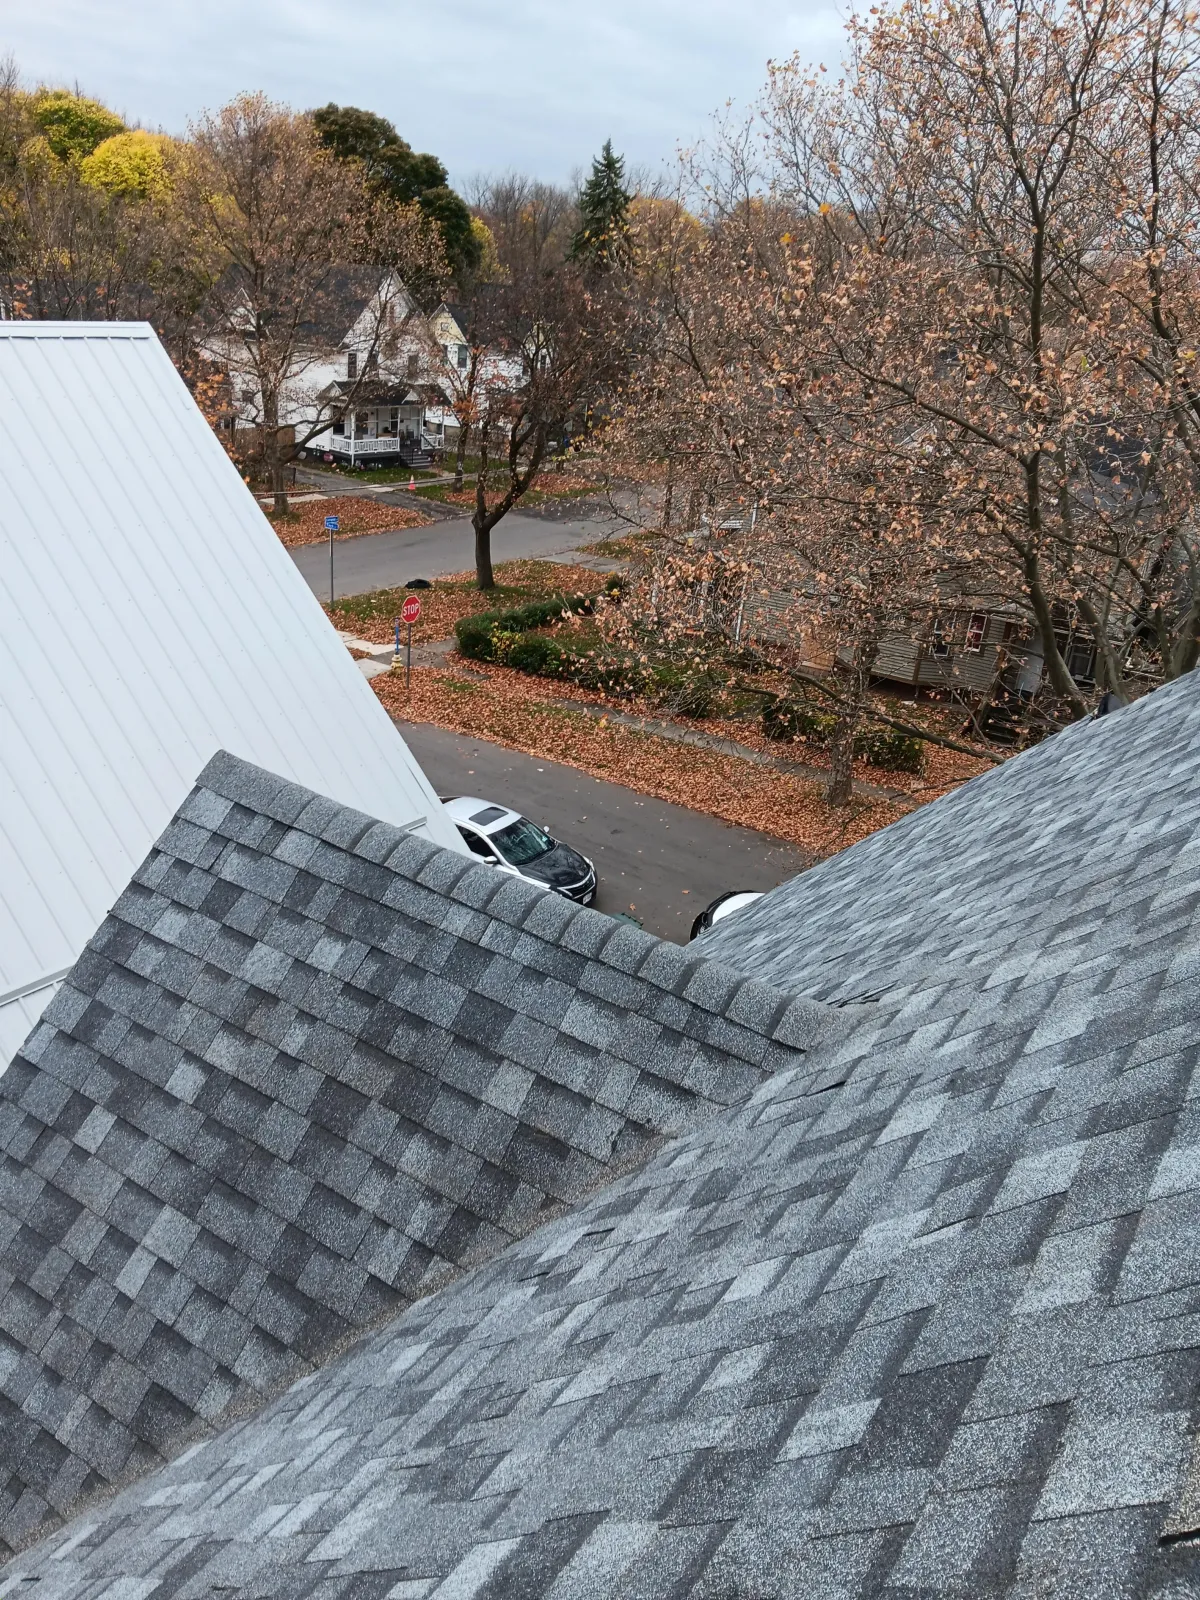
(721, 763)
(305, 523)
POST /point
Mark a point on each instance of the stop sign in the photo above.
(410, 610)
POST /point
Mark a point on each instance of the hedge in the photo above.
(886, 748)
(511, 639)
(478, 636)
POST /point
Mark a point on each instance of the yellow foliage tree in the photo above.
(489, 269)
(135, 165)
(72, 124)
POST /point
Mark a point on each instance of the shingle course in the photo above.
(339, 977)
(915, 1316)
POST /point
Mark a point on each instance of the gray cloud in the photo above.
(533, 85)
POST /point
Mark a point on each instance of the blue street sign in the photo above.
(332, 524)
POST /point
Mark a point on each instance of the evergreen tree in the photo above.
(602, 239)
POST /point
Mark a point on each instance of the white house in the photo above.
(149, 617)
(367, 382)
(474, 376)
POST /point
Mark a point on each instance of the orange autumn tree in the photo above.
(955, 308)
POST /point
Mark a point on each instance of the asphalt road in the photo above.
(658, 862)
(385, 560)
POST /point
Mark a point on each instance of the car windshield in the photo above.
(521, 842)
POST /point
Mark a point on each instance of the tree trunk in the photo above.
(279, 485)
(667, 494)
(841, 756)
(276, 462)
(841, 760)
(481, 521)
(483, 553)
(460, 457)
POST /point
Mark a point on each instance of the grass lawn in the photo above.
(395, 474)
(372, 616)
(545, 492)
(305, 523)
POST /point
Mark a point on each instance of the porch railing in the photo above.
(341, 445)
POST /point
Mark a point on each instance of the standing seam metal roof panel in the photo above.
(149, 616)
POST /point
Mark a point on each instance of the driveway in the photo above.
(386, 560)
(658, 862)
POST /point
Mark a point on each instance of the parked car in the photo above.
(723, 906)
(512, 843)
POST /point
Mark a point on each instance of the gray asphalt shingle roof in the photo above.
(308, 1069)
(919, 1316)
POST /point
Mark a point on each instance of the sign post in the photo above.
(331, 524)
(409, 612)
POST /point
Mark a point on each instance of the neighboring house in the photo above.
(969, 642)
(373, 1226)
(367, 383)
(474, 375)
(148, 617)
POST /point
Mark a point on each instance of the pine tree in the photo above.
(603, 235)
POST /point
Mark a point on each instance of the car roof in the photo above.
(465, 808)
(733, 901)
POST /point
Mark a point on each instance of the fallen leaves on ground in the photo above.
(553, 486)
(518, 714)
(944, 769)
(305, 523)
(372, 616)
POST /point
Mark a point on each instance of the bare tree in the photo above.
(285, 222)
(551, 347)
(532, 223)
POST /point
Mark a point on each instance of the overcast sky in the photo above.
(487, 85)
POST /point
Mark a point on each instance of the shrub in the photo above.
(886, 748)
(891, 750)
(796, 719)
(535, 652)
(474, 635)
(493, 636)
(487, 635)
(687, 694)
(607, 676)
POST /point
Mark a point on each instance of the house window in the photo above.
(939, 640)
(247, 397)
(352, 365)
(372, 365)
(414, 366)
(463, 355)
(360, 424)
(976, 630)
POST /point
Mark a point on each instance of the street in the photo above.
(655, 861)
(386, 560)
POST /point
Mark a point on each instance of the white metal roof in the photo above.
(149, 617)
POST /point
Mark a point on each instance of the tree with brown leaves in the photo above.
(282, 219)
